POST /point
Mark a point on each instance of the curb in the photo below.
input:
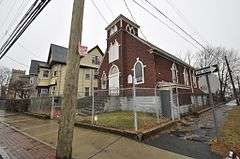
(139, 136)
(32, 137)
(40, 116)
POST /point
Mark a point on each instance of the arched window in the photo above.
(186, 77)
(132, 31)
(113, 51)
(139, 72)
(128, 28)
(113, 30)
(174, 73)
(104, 81)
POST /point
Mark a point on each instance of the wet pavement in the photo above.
(192, 136)
(86, 143)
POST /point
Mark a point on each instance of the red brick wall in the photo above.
(157, 67)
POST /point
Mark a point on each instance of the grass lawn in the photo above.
(229, 134)
(124, 120)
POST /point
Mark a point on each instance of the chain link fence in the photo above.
(133, 109)
(125, 109)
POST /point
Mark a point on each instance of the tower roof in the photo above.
(122, 17)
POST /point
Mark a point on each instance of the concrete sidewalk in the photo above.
(88, 143)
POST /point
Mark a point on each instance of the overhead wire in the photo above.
(108, 7)
(185, 20)
(29, 17)
(100, 13)
(179, 27)
(169, 27)
(130, 12)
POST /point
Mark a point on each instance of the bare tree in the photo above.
(20, 88)
(5, 74)
(215, 55)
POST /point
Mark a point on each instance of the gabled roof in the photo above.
(59, 54)
(163, 53)
(34, 66)
(123, 18)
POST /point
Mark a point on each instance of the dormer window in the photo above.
(113, 51)
(174, 73)
(113, 30)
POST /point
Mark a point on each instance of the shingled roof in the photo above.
(34, 66)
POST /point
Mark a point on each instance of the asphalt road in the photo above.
(191, 139)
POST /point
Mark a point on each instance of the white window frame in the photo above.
(113, 51)
(134, 68)
(186, 76)
(174, 73)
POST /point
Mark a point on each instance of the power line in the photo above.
(100, 13)
(28, 18)
(10, 9)
(14, 60)
(165, 24)
(109, 8)
(20, 10)
(184, 19)
(176, 24)
(134, 19)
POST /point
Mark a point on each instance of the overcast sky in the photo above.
(217, 21)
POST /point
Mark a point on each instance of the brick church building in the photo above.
(129, 56)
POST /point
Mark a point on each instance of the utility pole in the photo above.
(238, 85)
(231, 78)
(212, 105)
(67, 119)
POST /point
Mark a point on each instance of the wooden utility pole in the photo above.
(67, 119)
(238, 85)
(212, 104)
(231, 78)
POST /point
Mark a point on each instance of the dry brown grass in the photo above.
(124, 120)
(229, 134)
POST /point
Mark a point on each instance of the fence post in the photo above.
(134, 105)
(178, 105)
(155, 100)
(93, 106)
(171, 103)
(52, 108)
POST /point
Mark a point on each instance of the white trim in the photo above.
(174, 73)
(143, 66)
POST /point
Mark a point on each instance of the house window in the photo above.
(186, 77)
(87, 74)
(86, 91)
(139, 72)
(55, 73)
(174, 73)
(95, 75)
(44, 91)
(113, 51)
(95, 60)
(45, 74)
(104, 81)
